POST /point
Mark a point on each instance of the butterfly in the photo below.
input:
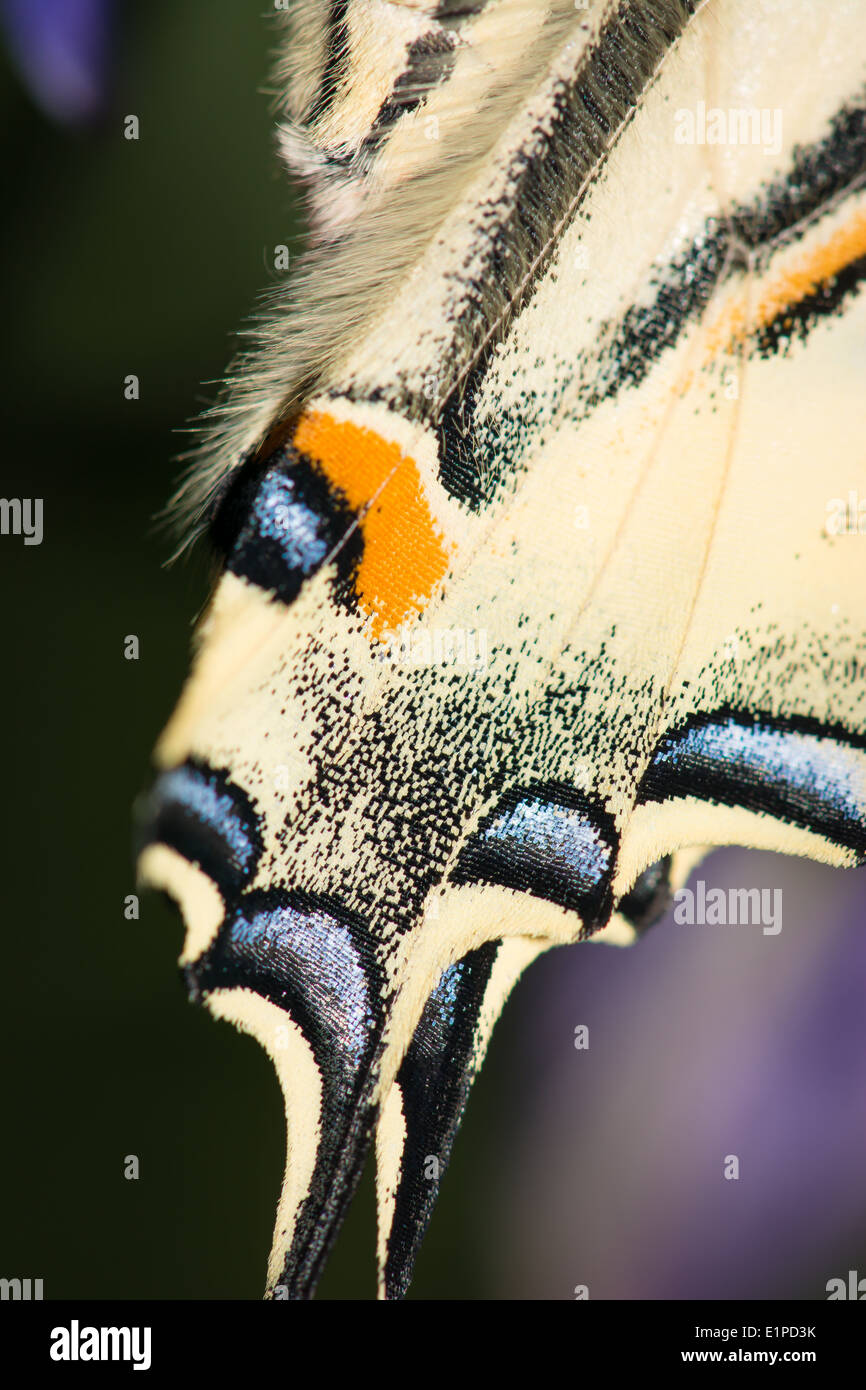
(540, 504)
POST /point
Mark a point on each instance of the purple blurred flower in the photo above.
(62, 49)
(705, 1042)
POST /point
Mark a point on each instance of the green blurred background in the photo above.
(134, 257)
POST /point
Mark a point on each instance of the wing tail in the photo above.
(424, 1106)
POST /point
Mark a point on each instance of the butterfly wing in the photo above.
(533, 579)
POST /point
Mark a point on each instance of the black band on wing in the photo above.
(199, 812)
(308, 956)
(796, 769)
(457, 10)
(435, 1078)
(429, 62)
(475, 458)
(313, 959)
(280, 520)
(548, 840)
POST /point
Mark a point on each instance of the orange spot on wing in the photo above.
(797, 280)
(805, 276)
(404, 555)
